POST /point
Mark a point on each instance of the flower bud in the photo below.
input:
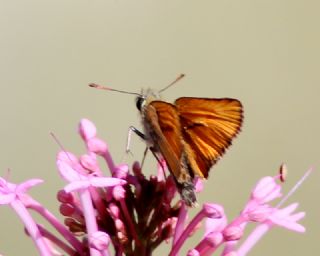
(100, 240)
(232, 233)
(87, 129)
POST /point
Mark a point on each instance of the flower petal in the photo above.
(266, 190)
(6, 198)
(67, 157)
(215, 225)
(67, 172)
(283, 218)
(286, 211)
(77, 185)
(106, 182)
(198, 184)
(25, 186)
(297, 216)
(294, 226)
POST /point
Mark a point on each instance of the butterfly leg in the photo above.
(144, 156)
(142, 136)
(158, 160)
(156, 157)
(136, 131)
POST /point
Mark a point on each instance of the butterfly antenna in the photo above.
(97, 86)
(173, 82)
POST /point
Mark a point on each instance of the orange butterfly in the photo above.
(191, 134)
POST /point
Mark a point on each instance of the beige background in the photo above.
(265, 53)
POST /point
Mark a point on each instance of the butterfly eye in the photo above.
(139, 102)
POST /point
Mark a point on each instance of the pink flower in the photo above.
(87, 129)
(256, 210)
(135, 213)
(79, 181)
(14, 195)
(100, 241)
(10, 192)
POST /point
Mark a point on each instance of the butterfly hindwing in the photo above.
(208, 127)
(166, 132)
(168, 119)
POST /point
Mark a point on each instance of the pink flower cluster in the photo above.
(135, 213)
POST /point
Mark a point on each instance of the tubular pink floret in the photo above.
(100, 241)
(213, 211)
(118, 193)
(207, 210)
(193, 252)
(97, 146)
(87, 129)
(121, 171)
(114, 210)
(232, 233)
(90, 163)
(210, 243)
(266, 190)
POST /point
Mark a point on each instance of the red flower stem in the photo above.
(109, 160)
(31, 227)
(180, 223)
(89, 216)
(58, 242)
(177, 246)
(76, 244)
(129, 221)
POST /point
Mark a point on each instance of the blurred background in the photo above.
(264, 53)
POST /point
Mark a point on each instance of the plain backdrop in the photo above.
(262, 52)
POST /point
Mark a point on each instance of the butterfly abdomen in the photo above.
(187, 192)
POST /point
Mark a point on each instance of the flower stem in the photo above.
(31, 227)
(177, 246)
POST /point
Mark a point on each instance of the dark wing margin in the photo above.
(208, 127)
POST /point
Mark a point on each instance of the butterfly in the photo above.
(191, 134)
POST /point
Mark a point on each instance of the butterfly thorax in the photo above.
(143, 103)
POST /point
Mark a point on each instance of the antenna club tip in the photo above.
(283, 173)
(97, 86)
(92, 85)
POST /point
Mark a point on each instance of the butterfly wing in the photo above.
(165, 132)
(208, 127)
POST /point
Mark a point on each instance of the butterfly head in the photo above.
(149, 95)
(145, 98)
(140, 102)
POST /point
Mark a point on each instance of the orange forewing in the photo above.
(209, 125)
(196, 130)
